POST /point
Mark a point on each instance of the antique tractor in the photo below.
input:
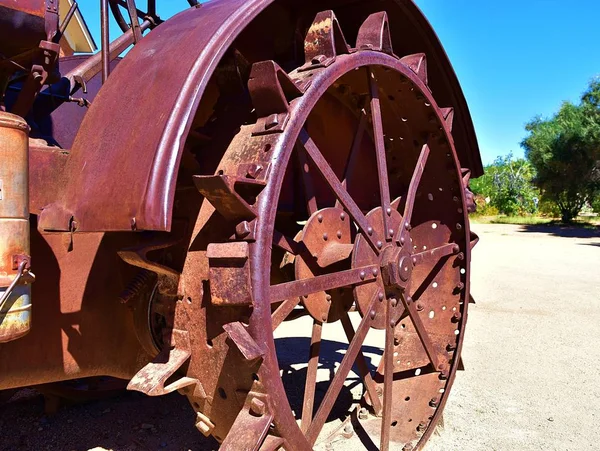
(205, 213)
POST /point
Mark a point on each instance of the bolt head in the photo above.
(405, 267)
(257, 407)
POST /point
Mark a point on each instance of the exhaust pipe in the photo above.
(15, 260)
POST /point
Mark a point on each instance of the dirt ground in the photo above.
(530, 354)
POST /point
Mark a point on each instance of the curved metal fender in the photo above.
(123, 167)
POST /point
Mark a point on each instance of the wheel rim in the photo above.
(379, 265)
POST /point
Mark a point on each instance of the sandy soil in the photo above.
(530, 354)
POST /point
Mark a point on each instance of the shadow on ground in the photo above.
(564, 231)
(127, 422)
(134, 422)
(294, 351)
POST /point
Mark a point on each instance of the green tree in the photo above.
(507, 185)
(565, 152)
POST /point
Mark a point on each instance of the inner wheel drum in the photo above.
(349, 211)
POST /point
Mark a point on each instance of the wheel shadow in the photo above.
(293, 354)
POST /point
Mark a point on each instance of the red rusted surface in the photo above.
(145, 185)
(297, 176)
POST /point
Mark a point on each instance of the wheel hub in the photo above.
(396, 267)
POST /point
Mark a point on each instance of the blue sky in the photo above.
(514, 58)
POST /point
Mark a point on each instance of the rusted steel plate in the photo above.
(76, 296)
(178, 59)
(230, 275)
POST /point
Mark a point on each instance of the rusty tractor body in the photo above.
(247, 169)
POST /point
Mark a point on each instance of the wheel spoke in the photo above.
(409, 304)
(347, 202)
(363, 368)
(310, 385)
(340, 376)
(353, 156)
(304, 287)
(388, 378)
(382, 172)
(309, 188)
(283, 311)
(412, 190)
(433, 255)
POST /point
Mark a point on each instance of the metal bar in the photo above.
(93, 65)
(283, 311)
(332, 180)
(363, 368)
(135, 22)
(340, 376)
(139, 12)
(421, 331)
(13, 284)
(310, 385)
(353, 155)
(68, 17)
(326, 282)
(384, 186)
(309, 188)
(152, 8)
(388, 378)
(436, 253)
(412, 190)
(104, 40)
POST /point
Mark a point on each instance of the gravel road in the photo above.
(530, 355)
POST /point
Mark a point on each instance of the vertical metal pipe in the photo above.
(15, 293)
(105, 40)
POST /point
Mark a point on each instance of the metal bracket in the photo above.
(418, 64)
(223, 192)
(237, 332)
(324, 42)
(168, 278)
(23, 276)
(151, 379)
(374, 34)
(271, 90)
(229, 274)
(251, 426)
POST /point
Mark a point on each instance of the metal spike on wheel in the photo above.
(357, 218)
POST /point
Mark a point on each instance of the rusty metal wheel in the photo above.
(344, 203)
